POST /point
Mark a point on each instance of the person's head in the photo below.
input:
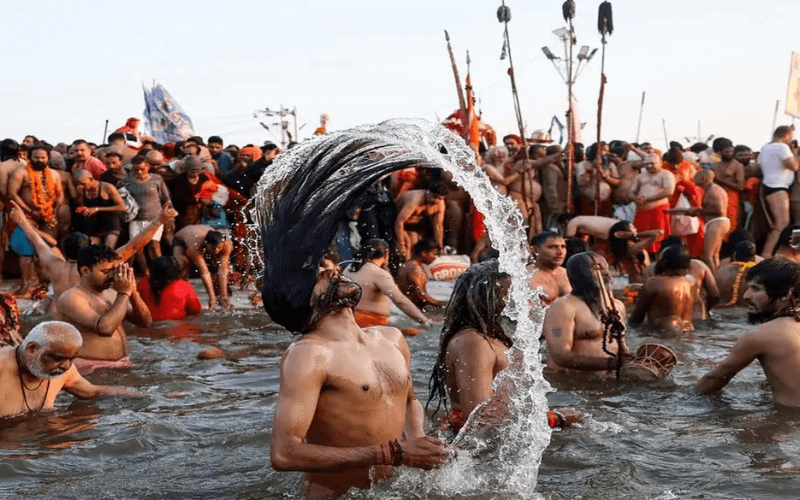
(744, 251)
(84, 179)
(113, 161)
(57, 161)
(425, 251)
(49, 348)
(214, 242)
(215, 145)
(373, 250)
(232, 150)
(742, 154)
(785, 239)
(9, 150)
(537, 151)
(140, 169)
(652, 163)
(585, 271)
(670, 241)
(704, 178)
(435, 192)
(497, 156)
(270, 150)
(621, 237)
(163, 271)
(249, 154)
(698, 147)
(194, 167)
(724, 148)
(563, 221)
(331, 294)
(23, 152)
(783, 134)
(30, 141)
(116, 139)
(72, 244)
(591, 151)
(96, 265)
(549, 248)
(154, 158)
(673, 261)
(477, 302)
(773, 289)
(81, 150)
(512, 143)
(574, 246)
(40, 157)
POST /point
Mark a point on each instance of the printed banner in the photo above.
(164, 119)
(793, 93)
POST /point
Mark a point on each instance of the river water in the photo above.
(203, 429)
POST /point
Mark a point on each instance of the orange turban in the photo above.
(252, 151)
(207, 190)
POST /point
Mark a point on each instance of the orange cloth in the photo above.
(45, 190)
(207, 190)
(655, 218)
(253, 151)
(733, 208)
(478, 226)
(366, 319)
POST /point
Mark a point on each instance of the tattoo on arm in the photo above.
(556, 332)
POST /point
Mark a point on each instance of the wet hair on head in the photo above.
(91, 255)
(619, 246)
(744, 251)
(214, 238)
(583, 278)
(163, 271)
(438, 188)
(785, 238)
(422, 245)
(779, 277)
(475, 304)
(673, 261)
(671, 241)
(72, 244)
(542, 237)
(373, 248)
(575, 246)
(9, 150)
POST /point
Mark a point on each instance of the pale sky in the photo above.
(69, 66)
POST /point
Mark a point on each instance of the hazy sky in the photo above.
(69, 66)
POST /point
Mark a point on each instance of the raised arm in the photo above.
(134, 246)
(47, 258)
(437, 221)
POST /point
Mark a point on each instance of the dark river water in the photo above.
(203, 429)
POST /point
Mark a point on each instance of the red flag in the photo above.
(473, 133)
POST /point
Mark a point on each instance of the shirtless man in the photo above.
(572, 326)
(420, 211)
(582, 226)
(729, 174)
(714, 212)
(9, 162)
(411, 278)
(378, 288)
(588, 182)
(652, 189)
(628, 170)
(105, 297)
(667, 298)
(61, 268)
(731, 277)
(773, 296)
(550, 250)
(347, 411)
(210, 251)
(40, 208)
(524, 187)
(34, 373)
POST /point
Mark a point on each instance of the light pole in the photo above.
(569, 74)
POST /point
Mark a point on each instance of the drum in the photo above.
(652, 362)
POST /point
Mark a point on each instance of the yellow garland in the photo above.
(44, 193)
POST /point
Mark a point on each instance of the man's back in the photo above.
(372, 298)
(668, 303)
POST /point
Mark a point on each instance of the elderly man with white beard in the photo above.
(33, 373)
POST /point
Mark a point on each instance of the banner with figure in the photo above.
(164, 119)
(793, 93)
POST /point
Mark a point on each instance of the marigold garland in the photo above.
(44, 193)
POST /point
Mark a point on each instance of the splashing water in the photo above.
(499, 450)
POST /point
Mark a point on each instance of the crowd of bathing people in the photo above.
(85, 222)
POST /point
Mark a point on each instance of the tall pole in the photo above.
(462, 103)
(666, 141)
(105, 132)
(504, 15)
(294, 115)
(605, 25)
(775, 118)
(639, 127)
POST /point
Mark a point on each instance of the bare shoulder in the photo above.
(307, 350)
(389, 334)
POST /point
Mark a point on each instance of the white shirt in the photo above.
(776, 175)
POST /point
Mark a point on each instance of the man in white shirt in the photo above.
(779, 162)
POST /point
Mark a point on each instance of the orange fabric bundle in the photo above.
(252, 151)
(207, 190)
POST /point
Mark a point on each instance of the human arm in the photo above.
(191, 302)
(113, 195)
(790, 159)
(81, 388)
(197, 259)
(745, 350)
(417, 288)
(559, 332)
(47, 258)
(645, 239)
(386, 284)
(74, 308)
(134, 246)
(643, 303)
(437, 221)
(138, 313)
(408, 208)
(14, 185)
(709, 285)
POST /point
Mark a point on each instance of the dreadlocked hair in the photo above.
(475, 303)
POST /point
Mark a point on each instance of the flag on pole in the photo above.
(793, 92)
(473, 133)
(164, 119)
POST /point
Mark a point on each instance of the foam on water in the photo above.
(499, 450)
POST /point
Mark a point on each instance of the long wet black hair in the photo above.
(583, 279)
(475, 303)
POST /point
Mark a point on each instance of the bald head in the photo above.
(704, 178)
(81, 175)
(652, 162)
(154, 157)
